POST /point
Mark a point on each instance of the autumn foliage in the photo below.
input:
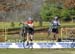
(69, 3)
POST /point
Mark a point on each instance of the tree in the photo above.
(65, 14)
(44, 11)
(49, 11)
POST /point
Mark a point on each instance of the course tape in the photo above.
(38, 45)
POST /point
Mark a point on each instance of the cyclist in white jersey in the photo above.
(55, 26)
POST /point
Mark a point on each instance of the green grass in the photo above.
(8, 25)
(37, 36)
(36, 24)
(37, 51)
(16, 37)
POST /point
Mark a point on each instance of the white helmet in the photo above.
(55, 17)
(30, 18)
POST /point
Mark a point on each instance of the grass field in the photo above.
(37, 36)
(36, 24)
(37, 51)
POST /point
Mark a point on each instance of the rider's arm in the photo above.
(50, 26)
(59, 23)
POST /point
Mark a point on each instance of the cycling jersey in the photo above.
(55, 24)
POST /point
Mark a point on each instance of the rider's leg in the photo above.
(24, 38)
(31, 34)
(53, 33)
(53, 36)
(27, 38)
(31, 37)
(56, 36)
